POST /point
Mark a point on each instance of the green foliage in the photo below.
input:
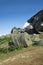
(9, 49)
(3, 50)
(5, 39)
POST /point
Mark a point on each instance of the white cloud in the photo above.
(26, 24)
(0, 34)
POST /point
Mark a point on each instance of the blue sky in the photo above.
(16, 13)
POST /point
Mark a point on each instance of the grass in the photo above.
(6, 53)
(5, 39)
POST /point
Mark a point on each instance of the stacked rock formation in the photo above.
(22, 37)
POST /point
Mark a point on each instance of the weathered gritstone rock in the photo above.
(37, 22)
(17, 30)
(41, 35)
(21, 39)
(29, 29)
(35, 37)
(39, 42)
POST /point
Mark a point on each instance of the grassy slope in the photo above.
(33, 56)
(5, 39)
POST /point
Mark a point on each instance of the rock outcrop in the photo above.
(25, 37)
(37, 22)
(21, 39)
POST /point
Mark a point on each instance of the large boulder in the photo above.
(29, 29)
(41, 35)
(21, 39)
(37, 22)
(39, 43)
(14, 30)
(35, 37)
(17, 30)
